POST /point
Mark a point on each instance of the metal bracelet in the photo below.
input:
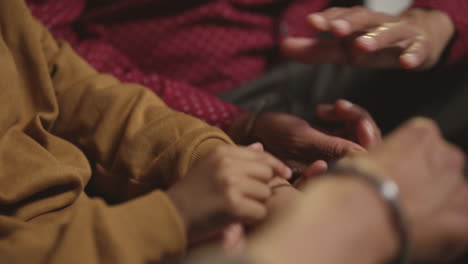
(389, 192)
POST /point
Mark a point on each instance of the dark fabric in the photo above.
(391, 96)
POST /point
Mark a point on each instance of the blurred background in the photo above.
(391, 6)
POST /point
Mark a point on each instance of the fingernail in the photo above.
(341, 26)
(345, 103)
(410, 60)
(368, 42)
(256, 146)
(318, 21)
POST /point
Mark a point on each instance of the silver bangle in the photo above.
(390, 193)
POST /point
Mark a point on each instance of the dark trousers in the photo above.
(391, 96)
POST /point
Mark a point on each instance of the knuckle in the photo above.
(228, 180)
(335, 149)
(232, 202)
(425, 128)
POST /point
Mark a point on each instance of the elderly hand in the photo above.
(429, 173)
(293, 139)
(362, 37)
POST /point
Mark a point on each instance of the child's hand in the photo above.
(231, 184)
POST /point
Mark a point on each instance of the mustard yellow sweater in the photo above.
(82, 156)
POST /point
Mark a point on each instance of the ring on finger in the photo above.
(417, 43)
(382, 28)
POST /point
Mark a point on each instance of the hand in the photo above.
(366, 38)
(291, 138)
(230, 185)
(358, 124)
(429, 173)
(338, 216)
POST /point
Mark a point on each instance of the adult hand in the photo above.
(339, 215)
(291, 138)
(357, 124)
(429, 173)
(230, 185)
(362, 37)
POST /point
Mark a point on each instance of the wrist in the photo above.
(373, 223)
(339, 220)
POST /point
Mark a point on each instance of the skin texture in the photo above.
(365, 38)
(296, 142)
(231, 184)
(339, 215)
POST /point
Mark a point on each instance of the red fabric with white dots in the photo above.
(186, 51)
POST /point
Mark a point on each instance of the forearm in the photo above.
(350, 225)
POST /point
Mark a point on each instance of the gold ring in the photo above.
(417, 43)
(382, 28)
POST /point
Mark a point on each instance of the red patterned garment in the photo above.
(188, 51)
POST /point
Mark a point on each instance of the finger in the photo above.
(331, 147)
(416, 54)
(360, 19)
(326, 112)
(364, 126)
(247, 155)
(385, 36)
(321, 20)
(256, 146)
(315, 169)
(248, 210)
(349, 112)
(368, 134)
(254, 189)
(342, 111)
(311, 51)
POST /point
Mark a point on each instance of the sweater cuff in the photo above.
(456, 9)
(204, 148)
